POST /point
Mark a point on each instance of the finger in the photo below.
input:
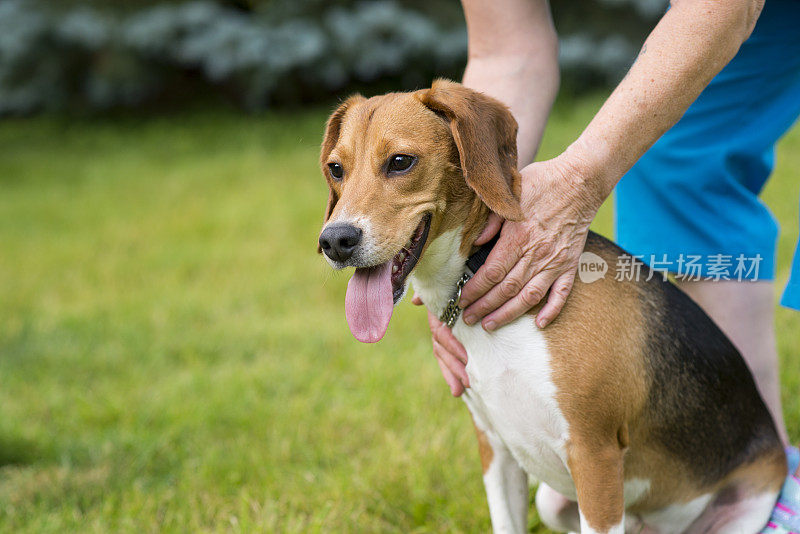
(533, 292)
(500, 261)
(456, 389)
(555, 302)
(449, 342)
(493, 224)
(444, 337)
(433, 322)
(417, 300)
(501, 293)
(452, 363)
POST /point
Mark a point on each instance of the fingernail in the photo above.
(489, 325)
(462, 303)
(541, 323)
(469, 320)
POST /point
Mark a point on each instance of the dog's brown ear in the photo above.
(485, 134)
(329, 140)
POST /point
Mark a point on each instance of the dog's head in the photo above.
(402, 169)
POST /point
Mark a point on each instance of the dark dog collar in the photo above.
(451, 311)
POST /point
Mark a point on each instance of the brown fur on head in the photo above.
(464, 143)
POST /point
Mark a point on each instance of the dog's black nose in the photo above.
(338, 241)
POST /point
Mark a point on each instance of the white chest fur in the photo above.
(512, 392)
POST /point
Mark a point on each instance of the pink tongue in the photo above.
(368, 304)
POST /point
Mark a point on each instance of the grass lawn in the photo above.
(174, 355)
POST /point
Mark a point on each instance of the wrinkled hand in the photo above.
(537, 254)
(532, 256)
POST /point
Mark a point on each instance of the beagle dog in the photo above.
(632, 409)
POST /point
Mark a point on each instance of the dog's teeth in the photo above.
(402, 256)
(395, 268)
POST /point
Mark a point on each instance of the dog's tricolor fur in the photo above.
(632, 403)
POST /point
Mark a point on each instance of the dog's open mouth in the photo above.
(405, 260)
(373, 291)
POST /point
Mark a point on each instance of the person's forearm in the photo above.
(527, 87)
(513, 56)
(690, 45)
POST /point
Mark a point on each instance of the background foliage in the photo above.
(100, 54)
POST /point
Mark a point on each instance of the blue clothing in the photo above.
(695, 192)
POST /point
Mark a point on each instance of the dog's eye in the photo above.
(337, 171)
(400, 163)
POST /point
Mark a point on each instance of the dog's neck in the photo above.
(444, 261)
(439, 270)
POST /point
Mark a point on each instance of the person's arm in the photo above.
(689, 46)
(513, 56)
(693, 41)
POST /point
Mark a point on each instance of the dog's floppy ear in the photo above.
(329, 140)
(485, 134)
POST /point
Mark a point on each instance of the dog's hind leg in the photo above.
(744, 505)
(505, 482)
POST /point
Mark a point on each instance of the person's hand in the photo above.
(539, 253)
(558, 211)
(450, 354)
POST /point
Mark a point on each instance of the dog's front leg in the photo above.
(505, 482)
(596, 469)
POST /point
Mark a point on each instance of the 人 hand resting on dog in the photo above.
(533, 256)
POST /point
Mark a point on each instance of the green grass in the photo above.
(174, 355)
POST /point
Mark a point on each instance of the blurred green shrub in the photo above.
(99, 55)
